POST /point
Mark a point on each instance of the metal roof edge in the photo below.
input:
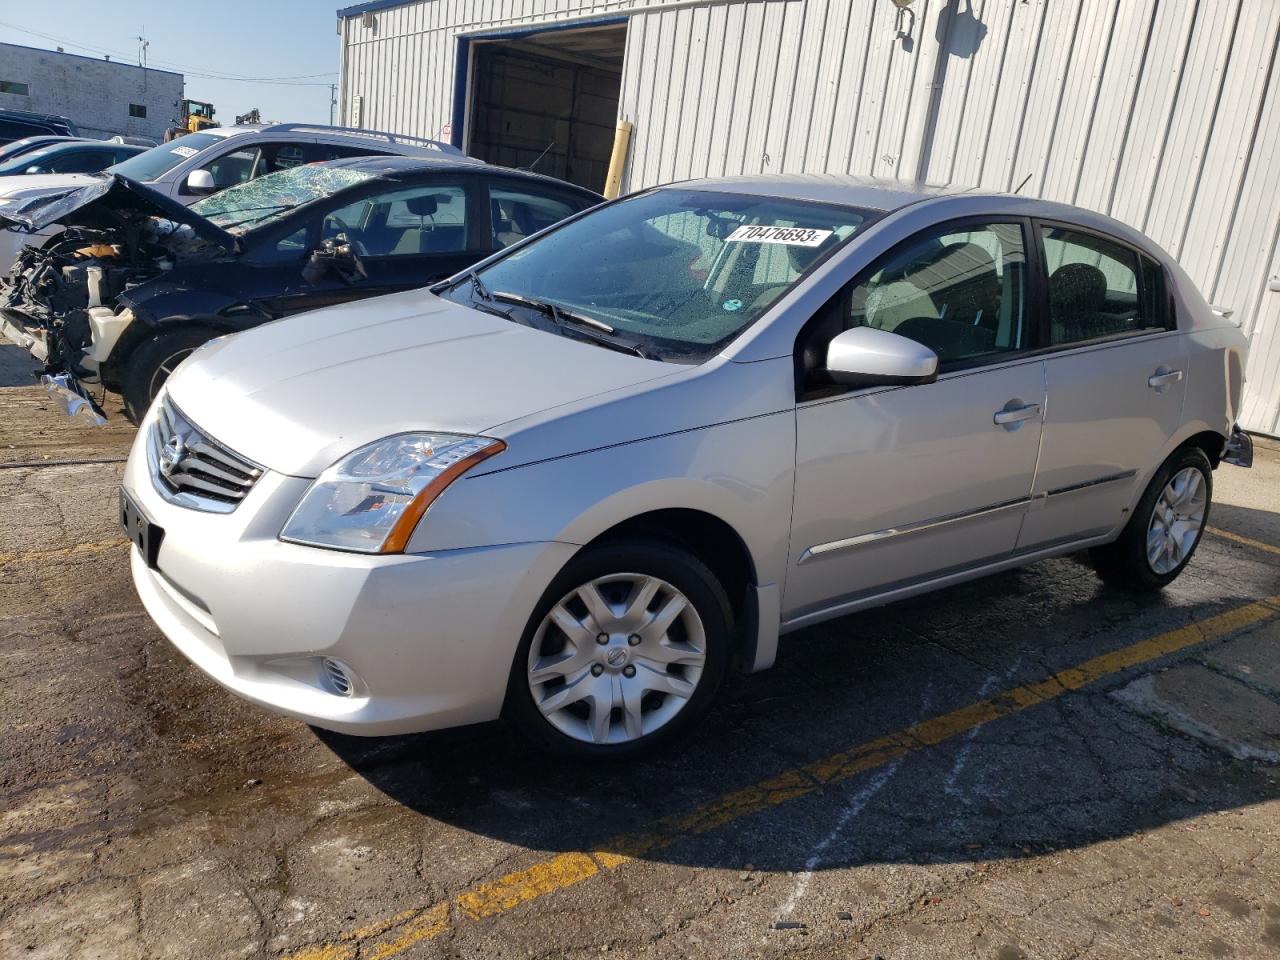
(345, 13)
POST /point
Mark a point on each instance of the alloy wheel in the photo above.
(1176, 520)
(616, 658)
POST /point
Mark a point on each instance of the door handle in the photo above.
(1163, 378)
(1008, 415)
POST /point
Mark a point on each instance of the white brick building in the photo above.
(102, 97)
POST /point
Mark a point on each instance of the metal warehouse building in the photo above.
(1163, 113)
(102, 97)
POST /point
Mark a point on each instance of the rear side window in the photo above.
(321, 152)
(518, 212)
(1097, 288)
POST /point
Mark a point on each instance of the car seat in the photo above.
(1077, 302)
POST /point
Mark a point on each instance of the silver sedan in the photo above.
(579, 483)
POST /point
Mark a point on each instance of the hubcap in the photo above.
(1176, 520)
(633, 681)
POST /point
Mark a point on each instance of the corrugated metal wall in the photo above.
(1162, 113)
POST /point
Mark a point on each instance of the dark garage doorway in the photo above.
(548, 101)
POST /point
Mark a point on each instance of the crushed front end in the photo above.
(60, 301)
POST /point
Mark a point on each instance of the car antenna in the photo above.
(1023, 183)
(540, 156)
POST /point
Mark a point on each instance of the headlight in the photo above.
(371, 500)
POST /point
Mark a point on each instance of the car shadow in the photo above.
(17, 367)
(1069, 772)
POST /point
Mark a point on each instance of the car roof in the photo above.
(394, 165)
(398, 144)
(867, 193)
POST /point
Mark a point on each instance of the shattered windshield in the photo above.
(256, 203)
(153, 164)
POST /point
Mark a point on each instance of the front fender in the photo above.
(741, 473)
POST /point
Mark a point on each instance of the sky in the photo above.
(288, 49)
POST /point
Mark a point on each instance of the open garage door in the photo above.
(548, 101)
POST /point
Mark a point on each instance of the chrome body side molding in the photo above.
(820, 550)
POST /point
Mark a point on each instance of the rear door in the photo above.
(1116, 378)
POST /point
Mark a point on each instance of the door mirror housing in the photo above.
(201, 181)
(335, 256)
(867, 357)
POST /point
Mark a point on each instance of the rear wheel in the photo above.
(625, 652)
(1165, 529)
(151, 363)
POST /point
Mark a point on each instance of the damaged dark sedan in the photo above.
(137, 281)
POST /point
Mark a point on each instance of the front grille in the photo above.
(187, 461)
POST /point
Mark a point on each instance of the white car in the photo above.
(200, 164)
(576, 484)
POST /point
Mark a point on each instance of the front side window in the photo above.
(1096, 288)
(81, 161)
(409, 221)
(233, 168)
(960, 292)
(677, 273)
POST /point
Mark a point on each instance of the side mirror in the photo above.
(201, 181)
(334, 255)
(867, 357)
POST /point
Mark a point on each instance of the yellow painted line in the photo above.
(566, 869)
(1243, 540)
(55, 553)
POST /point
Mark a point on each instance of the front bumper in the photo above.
(14, 327)
(429, 638)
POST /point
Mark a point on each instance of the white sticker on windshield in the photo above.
(795, 236)
(185, 151)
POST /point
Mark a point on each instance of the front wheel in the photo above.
(151, 363)
(1165, 529)
(625, 652)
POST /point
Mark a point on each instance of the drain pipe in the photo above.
(618, 159)
(933, 65)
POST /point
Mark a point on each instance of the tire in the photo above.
(151, 363)
(656, 675)
(1144, 558)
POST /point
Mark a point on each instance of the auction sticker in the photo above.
(184, 151)
(795, 236)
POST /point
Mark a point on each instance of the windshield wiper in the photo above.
(557, 313)
(581, 325)
(478, 285)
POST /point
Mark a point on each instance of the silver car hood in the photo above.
(298, 394)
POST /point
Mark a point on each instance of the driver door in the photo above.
(404, 236)
(899, 485)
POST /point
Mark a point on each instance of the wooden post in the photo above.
(618, 160)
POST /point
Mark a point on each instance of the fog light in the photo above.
(338, 677)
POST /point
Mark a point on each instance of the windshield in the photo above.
(155, 163)
(677, 273)
(258, 202)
